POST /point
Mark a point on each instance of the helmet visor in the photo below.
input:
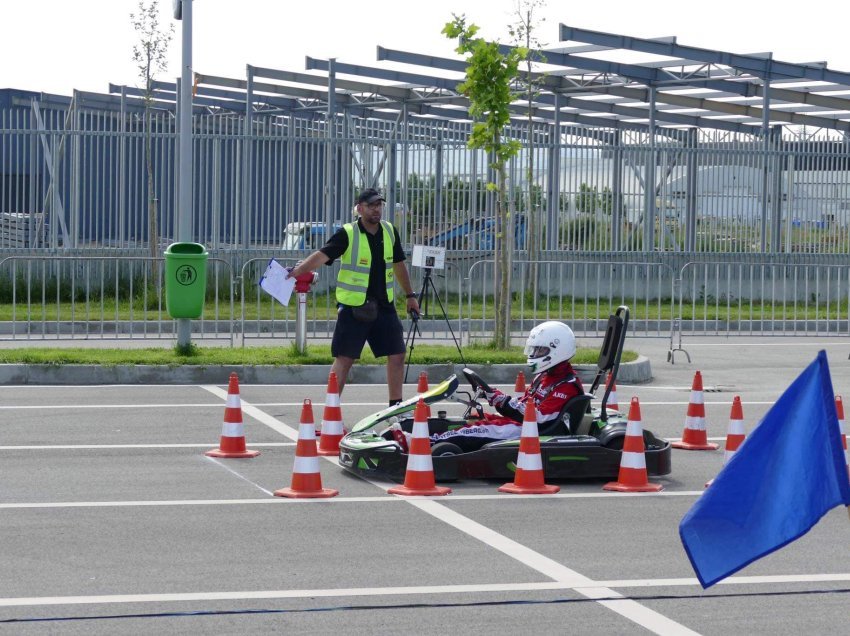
(536, 352)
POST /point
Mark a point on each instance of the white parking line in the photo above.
(454, 407)
(258, 444)
(24, 601)
(132, 446)
(384, 499)
(37, 407)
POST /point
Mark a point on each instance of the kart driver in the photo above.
(549, 348)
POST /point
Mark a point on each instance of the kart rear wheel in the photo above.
(442, 449)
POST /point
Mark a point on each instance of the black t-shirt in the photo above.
(338, 243)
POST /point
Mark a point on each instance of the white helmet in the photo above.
(549, 343)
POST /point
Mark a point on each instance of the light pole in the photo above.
(183, 12)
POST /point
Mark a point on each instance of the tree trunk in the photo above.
(501, 336)
(153, 226)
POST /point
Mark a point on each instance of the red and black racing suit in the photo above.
(550, 389)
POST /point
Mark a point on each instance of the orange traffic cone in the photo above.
(306, 479)
(612, 397)
(839, 407)
(694, 436)
(528, 479)
(419, 477)
(519, 387)
(633, 476)
(232, 442)
(422, 387)
(332, 430)
(735, 434)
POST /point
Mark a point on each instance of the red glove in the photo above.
(496, 398)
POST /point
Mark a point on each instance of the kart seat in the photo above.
(571, 416)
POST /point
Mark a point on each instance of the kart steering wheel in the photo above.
(478, 384)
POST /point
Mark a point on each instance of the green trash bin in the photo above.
(185, 279)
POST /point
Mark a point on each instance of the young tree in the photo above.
(149, 55)
(522, 33)
(489, 77)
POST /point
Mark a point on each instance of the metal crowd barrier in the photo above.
(123, 298)
(579, 293)
(103, 297)
(263, 318)
(764, 299)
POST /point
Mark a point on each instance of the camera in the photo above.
(429, 257)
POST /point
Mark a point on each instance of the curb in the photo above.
(637, 372)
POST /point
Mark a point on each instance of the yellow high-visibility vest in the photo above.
(355, 264)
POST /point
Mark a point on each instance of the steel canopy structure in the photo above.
(674, 86)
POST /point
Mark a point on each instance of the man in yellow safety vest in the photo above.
(371, 261)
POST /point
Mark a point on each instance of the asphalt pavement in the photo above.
(115, 522)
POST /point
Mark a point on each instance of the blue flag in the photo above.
(788, 474)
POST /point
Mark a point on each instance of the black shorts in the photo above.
(385, 335)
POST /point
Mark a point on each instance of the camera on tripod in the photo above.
(428, 258)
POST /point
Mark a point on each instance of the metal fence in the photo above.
(62, 298)
(78, 179)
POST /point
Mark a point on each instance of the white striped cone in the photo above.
(611, 404)
(419, 476)
(528, 479)
(232, 442)
(306, 478)
(633, 476)
(735, 434)
(695, 437)
(842, 424)
(332, 429)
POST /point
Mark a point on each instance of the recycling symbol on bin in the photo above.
(186, 275)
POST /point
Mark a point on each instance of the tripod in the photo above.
(427, 286)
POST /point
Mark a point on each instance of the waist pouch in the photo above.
(367, 312)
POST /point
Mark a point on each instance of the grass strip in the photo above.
(284, 355)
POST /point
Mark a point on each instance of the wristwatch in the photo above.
(412, 295)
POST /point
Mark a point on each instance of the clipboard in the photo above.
(277, 283)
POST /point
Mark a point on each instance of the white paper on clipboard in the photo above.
(275, 282)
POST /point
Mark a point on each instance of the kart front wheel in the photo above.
(443, 449)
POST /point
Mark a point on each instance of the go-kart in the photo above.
(585, 442)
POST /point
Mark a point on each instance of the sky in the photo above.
(55, 46)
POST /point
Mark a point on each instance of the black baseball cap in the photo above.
(370, 195)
